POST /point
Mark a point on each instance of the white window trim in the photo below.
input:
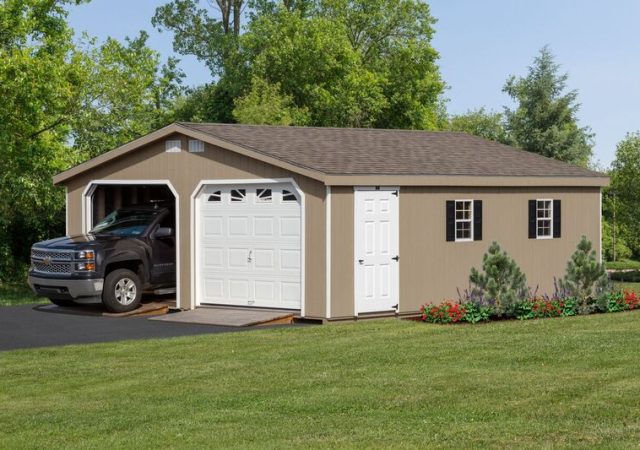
(456, 220)
(550, 200)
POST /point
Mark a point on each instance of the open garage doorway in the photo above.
(105, 199)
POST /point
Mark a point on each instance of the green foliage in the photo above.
(127, 94)
(367, 63)
(62, 102)
(623, 252)
(501, 283)
(624, 193)
(585, 276)
(476, 313)
(544, 120)
(266, 105)
(623, 264)
(479, 122)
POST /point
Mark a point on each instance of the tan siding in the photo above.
(431, 269)
(185, 170)
(342, 252)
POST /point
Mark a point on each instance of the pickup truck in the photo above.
(130, 251)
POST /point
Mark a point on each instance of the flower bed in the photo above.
(450, 311)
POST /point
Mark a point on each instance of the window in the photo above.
(215, 197)
(464, 220)
(288, 196)
(238, 195)
(196, 146)
(544, 219)
(173, 146)
(263, 195)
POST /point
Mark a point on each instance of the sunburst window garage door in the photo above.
(248, 249)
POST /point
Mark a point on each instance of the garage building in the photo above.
(339, 223)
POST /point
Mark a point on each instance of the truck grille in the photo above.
(52, 261)
(61, 268)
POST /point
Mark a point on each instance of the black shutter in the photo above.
(451, 220)
(557, 219)
(477, 220)
(532, 219)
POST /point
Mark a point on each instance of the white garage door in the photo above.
(249, 246)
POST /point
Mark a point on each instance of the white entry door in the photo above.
(249, 246)
(376, 249)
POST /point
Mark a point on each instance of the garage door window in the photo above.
(264, 195)
(215, 197)
(238, 195)
(288, 196)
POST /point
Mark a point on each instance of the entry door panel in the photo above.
(376, 249)
(250, 246)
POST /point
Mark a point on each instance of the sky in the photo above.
(480, 43)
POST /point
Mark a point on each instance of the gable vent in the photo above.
(173, 145)
(196, 146)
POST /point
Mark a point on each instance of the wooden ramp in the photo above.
(230, 317)
(145, 309)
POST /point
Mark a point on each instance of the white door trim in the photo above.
(356, 232)
(87, 214)
(327, 243)
(195, 229)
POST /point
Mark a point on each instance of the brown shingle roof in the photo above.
(364, 151)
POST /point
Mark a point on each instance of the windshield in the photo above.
(125, 222)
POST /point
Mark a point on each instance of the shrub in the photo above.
(585, 277)
(476, 313)
(501, 283)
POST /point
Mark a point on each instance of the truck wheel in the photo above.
(62, 303)
(122, 291)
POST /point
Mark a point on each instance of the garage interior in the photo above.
(106, 198)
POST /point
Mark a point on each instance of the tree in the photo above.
(479, 122)
(625, 173)
(364, 63)
(585, 276)
(61, 102)
(41, 82)
(544, 120)
(501, 283)
(127, 94)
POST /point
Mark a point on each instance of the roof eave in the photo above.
(467, 180)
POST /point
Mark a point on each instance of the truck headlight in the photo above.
(86, 254)
(88, 266)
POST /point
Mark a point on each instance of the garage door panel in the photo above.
(290, 227)
(250, 249)
(212, 258)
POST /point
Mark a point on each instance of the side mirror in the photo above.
(163, 232)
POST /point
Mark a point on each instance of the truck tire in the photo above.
(63, 303)
(122, 291)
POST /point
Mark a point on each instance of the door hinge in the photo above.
(396, 258)
(361, 261)
(395, 306)
(395, 193)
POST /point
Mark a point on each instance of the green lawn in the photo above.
(18, 294)
(623, 285)
(623, 264)
(388, 383)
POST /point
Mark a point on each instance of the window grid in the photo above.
(288, 196)
(464, 220)
(215, 196)
(544, 219)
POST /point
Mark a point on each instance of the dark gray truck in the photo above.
(129, 252)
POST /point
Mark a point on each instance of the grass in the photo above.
(18, 294)
(622, 264)
(569, 382)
